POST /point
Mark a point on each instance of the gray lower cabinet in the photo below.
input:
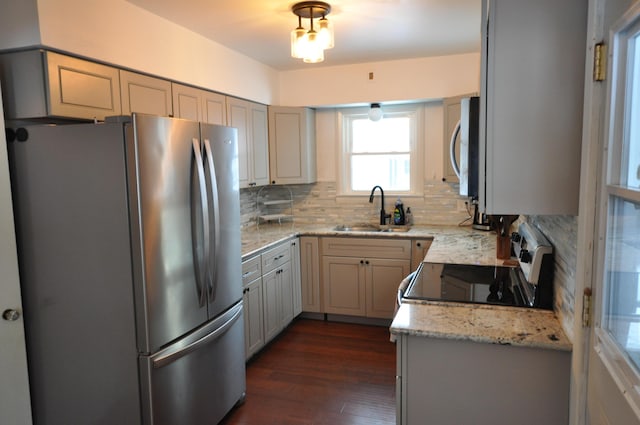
(253, 299)
(269, 294)
(146, 94)
(310, 274)
(42, 84)
(446, 381)
(360, 276)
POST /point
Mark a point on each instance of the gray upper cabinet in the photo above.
(253, 145)
(451, 115)
(142, 93)
(292, 145)
(199, 105)
(532, 83)
(42, 84)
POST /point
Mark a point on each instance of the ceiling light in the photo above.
(375, 112)
(309, 45)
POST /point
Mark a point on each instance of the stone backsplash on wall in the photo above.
(319, 203)
(562, 232)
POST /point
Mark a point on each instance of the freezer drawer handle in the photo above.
(175, 353)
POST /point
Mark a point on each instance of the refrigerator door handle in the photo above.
(198, 339)
(201, 271)
(212, 264)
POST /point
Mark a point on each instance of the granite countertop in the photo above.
(481, 323)
(451, 244)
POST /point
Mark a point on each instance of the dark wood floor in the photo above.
(321, 373)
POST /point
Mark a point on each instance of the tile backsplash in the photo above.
(318, 203)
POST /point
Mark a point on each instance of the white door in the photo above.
(15, 405)
(613, 382)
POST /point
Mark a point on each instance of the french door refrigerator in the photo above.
(129, 251)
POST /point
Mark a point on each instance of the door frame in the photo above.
(595, 98)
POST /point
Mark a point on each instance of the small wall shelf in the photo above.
(274, 203)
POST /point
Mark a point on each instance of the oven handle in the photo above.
(402, 288)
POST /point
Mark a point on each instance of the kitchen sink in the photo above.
(357, 228)
(370, 228)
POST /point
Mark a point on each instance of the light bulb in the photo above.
(314, 52)
(325, 33)
(298, 39)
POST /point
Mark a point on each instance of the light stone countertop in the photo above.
(451, 244)
(482, 323)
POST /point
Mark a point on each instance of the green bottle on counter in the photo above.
(398, 213)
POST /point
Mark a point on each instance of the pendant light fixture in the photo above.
(309, 45)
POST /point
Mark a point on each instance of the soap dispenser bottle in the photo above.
(398, 213)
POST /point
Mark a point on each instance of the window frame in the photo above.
(415, 113)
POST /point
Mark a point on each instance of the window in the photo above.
(385, 152)
(618, 330)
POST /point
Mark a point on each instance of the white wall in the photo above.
(410, 79)
(125, 35)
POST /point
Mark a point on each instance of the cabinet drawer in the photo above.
(251, 270)
(367, 247)
(275, 257)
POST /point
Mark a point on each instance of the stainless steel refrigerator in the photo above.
(129, 251)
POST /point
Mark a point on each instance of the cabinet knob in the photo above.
(11, 315)
(366, 262)
(418, 244)
(361, 261)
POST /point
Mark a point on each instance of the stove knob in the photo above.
(525, 256)
(515, 237)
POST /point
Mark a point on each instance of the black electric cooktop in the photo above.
(467, 283)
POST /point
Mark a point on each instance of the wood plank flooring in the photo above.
(321, 373)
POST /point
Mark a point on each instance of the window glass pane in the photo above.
(392, 172)
(622, 277)
(387, 135)
(631, 170)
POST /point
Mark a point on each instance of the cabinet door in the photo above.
(142, 93)
(187, 102)
(451, 115)
(419, 249)
(238, 117)
(82, 89)
(214, 108)
(310, 274)
(531, 106)
(383, 278)
(270, 305)
(253, 320)
(285, 283)
(343, 283)
(259, 139)
(292, 146)
(295, 276)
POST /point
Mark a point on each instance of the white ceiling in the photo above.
(365, 30)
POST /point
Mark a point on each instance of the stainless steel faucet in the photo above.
(383, 215)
